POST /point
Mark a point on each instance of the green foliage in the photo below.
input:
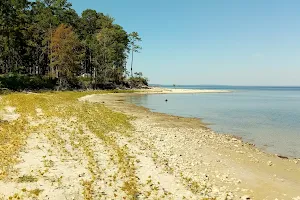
(138, 81)
(85, 82)
(18, 82)
(30, 44)
(110, 49)
(134, 38)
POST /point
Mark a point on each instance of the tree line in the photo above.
(47, 42)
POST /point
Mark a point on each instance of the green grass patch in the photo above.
(27, 179)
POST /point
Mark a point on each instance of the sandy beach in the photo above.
(160, 90)
(75, 145)
(145, 100)
(213, 165)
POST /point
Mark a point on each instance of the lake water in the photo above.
(269, 117)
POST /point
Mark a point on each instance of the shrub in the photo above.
(138, 81)
(85, 82)
(18, 82)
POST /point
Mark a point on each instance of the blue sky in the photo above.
(229, 42)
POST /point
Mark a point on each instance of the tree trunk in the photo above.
(50, 54)
(131, 62)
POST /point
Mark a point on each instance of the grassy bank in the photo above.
(64, 113)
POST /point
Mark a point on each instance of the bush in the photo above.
(138, 81)
(17, 82)
(85, 82)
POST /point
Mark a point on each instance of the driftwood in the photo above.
(283, 157)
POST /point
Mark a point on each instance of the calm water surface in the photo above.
(266, 116)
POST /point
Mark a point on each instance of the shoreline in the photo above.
(239, 154)
(120, 98)
(161, 90)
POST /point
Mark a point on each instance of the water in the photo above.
(269, 117)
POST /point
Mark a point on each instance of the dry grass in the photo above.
(27, 179)
(35, 192)
(65, 105)
(87, 193)
(13, 134)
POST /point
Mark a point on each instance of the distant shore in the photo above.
(225, 164)
(161, 90)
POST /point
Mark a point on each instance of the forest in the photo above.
(45, 44)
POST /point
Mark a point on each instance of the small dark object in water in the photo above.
(166, 100)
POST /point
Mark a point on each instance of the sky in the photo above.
(211, 42)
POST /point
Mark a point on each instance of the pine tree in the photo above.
(66, 54)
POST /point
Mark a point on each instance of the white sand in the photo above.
(157, 90)
(9, 114)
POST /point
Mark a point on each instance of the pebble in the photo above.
(270, 163)
(245, 197)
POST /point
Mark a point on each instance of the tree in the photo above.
(13, 22)
(88, 27)
(134, 38)
(66, 53)
(51, 14)
(91, 24)
(110, 54)
(37, 41)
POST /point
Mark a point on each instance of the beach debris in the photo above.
(246, 197)
(280, 156)
(270, 163)
(166, 100)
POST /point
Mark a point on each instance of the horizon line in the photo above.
(225, 85)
